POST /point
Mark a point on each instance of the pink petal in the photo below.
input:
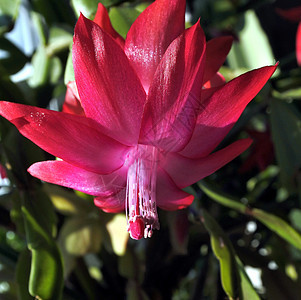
(298, 44)
(216, 52)
(208, 92)
(292, 14)
(217, 80)
(169, 196)
(110, 91)
(150, 35)
(3, 174)
(220, 111)
(111, 204)
(185, 171)
(102, 19)
(72, 103)
(171, 109)
(62, 173)
(75, 139)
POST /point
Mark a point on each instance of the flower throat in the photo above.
(141, 208)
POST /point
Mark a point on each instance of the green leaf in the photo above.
(40, 26)
(46, 272)
(16, 213)
(69, 71)
(235, 281)
(55, 70)
(248, 291)
(291, 93)
(286, 133)
(279, 226)
(60, 39)
(224, 252)
(109, 3)
(22, 275)
(87, 7)
(80, 235)
(8, 14)
(41, 67)
(39, 205)
(45, 9)
(9, 8)
(244, 54)
(295, 217)
(46, 275)
(260, 182)
(222, 198)
(67, 202)
(122, 18)
(274, 223)
(117, 228)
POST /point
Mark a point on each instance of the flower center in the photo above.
(141, 208)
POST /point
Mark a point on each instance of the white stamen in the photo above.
(141, 191)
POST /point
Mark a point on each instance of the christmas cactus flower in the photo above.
(147, 114)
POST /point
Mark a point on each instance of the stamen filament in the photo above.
(141, 208)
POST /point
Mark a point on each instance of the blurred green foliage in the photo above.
(55, 244)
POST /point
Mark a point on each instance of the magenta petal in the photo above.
(103, 20)
(62, 173)
(216, 52)
(109, 88)
(150, 35)
(298, 44)
(75, 139)
(220, 111)
(217, 80)
(292, 14)
(186, 171)
(169, 196)
(207, 93)
(72, 103)
(171, 109)
(112, 204)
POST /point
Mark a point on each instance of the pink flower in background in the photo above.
(4, 181)
(147, 114)
(261, 152)
(72, 103)
(294, 14)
